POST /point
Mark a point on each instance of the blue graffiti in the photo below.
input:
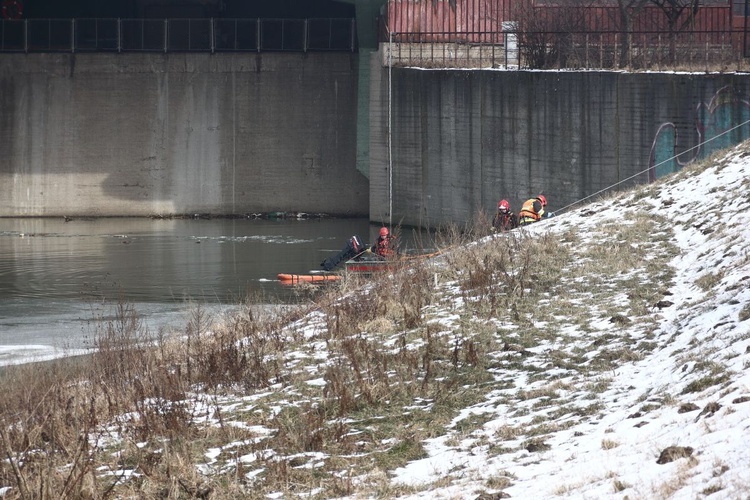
(722, 123)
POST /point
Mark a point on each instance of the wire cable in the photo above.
(650, 167)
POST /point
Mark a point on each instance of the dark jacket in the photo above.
(384, 246)
(505, 221)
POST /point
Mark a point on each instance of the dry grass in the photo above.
(397, 358)
(609, 444)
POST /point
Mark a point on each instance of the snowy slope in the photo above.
(701, 334)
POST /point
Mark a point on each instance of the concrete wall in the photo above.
(142, 134)
(462, 140)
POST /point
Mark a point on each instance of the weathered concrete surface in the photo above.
(143, 134)
(462, 140)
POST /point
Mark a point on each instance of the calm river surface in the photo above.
(57, 277)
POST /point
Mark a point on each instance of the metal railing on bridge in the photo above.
(177, 35)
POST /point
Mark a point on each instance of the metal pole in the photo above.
(744, 32)
(72, 35)
(390, 131)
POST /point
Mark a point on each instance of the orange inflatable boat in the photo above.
(307, 278)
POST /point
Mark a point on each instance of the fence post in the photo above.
(744, 32)
(166, 35)
(616, 55)
(258, 34)
(73, 35)
(26, 36)
(353, 34)
(119, 35)
(212, 32)
(587, 51)
(708, 48)
(505, 48)
(305, 34)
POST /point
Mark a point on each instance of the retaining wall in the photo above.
(165, 134)
(143, 134)
(462, 140)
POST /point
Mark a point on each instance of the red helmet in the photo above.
(503, 206)
(543, 199)
(384, 232)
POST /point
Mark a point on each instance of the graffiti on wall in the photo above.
(722, 123)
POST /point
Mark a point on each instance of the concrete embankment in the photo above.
(165, 134)
(143, 134)
(462, 140)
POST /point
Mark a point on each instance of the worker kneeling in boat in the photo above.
(385, 246)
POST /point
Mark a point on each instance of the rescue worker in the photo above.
(384, 246)
(504, 219)
(534, 210)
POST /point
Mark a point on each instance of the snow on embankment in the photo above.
(671, 421)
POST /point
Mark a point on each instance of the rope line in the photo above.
(654, 167)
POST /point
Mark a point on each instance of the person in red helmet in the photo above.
(534, 210)
(504, 219)
(385, 244)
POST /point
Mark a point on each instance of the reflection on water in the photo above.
(56, 275)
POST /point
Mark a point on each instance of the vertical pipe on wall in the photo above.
(306, 35)
(390, 132)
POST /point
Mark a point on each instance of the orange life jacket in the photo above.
(529, 212)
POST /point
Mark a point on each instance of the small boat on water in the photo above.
(364, 263)
(368, 262)
(357, 258)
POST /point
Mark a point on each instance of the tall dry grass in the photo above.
(136, 417)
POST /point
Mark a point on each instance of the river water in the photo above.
(59, 278)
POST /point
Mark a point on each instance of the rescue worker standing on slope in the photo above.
(385, 244)
(534, 210)
(504, 219)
